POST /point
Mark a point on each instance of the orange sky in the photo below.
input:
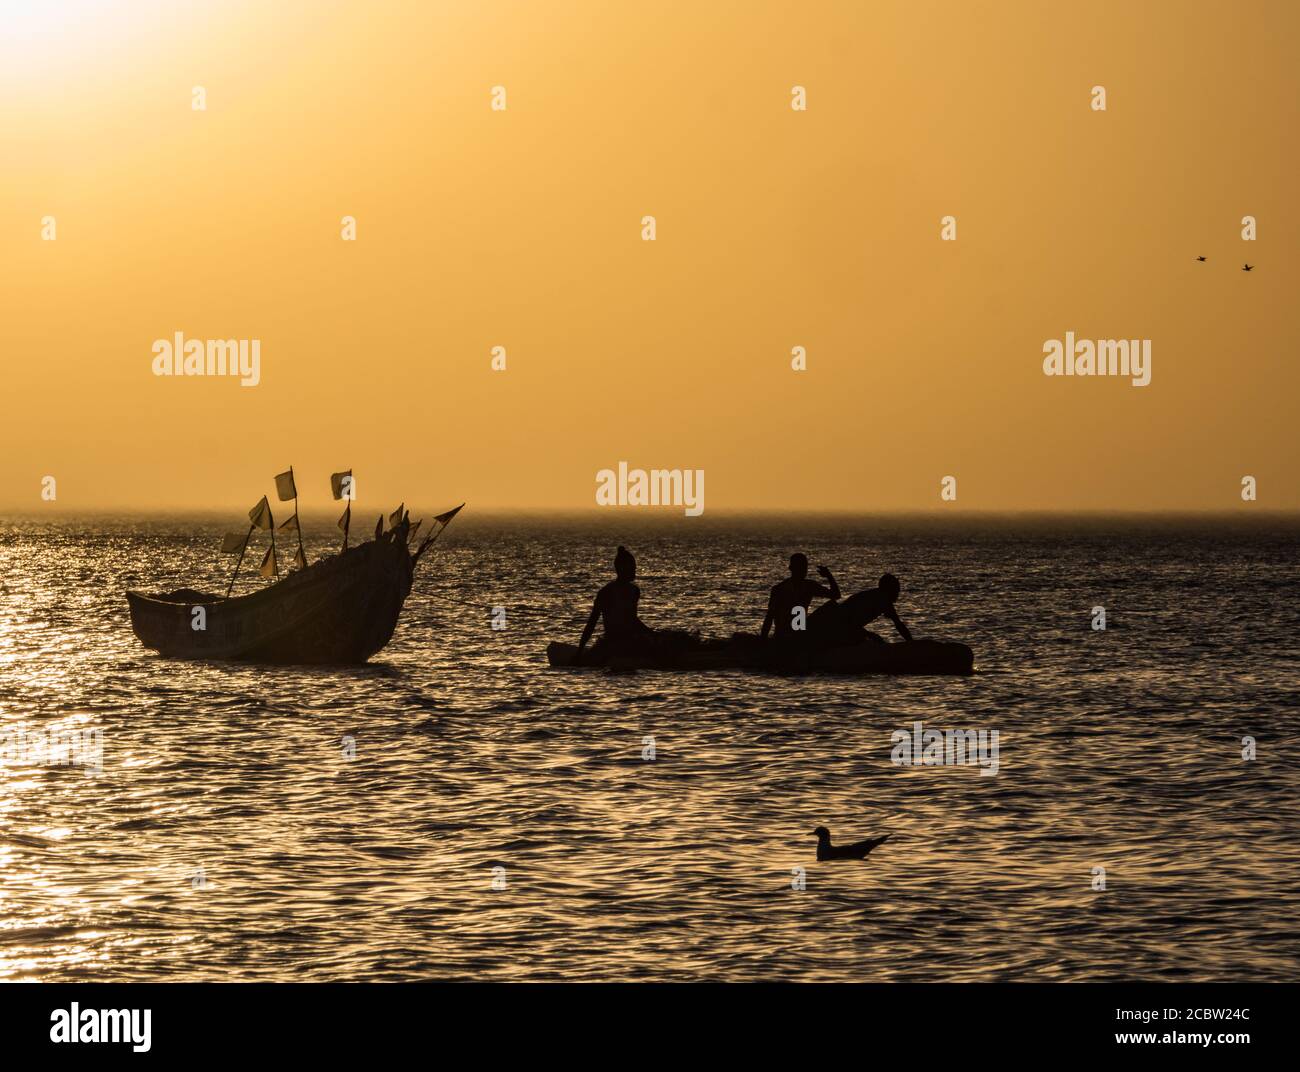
(478, 228)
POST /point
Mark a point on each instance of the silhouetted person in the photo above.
(836, 624)
(796, 591)
(616, 606)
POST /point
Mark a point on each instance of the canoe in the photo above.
(339, 610)
(746, 653)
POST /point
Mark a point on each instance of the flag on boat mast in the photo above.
(395, 518)
(269, 568)
(342, 487)
(287, 489)
(261, 517)
(439, 523)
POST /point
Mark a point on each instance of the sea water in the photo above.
(458, 810)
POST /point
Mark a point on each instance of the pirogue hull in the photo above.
(341, 609)
(907, 657)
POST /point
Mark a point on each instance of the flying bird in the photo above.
(1247, 268)
(1200, 258)
(857, 851)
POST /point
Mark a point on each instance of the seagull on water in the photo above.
(857, 851)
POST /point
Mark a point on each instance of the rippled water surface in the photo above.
(1119, 749)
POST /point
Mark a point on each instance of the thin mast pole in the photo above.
(275, 563)
(296, 523)
(347, 511)
(429, 541)
(241, 559)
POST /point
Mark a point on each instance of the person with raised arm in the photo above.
(795, 593)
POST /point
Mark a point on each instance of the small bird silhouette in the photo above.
(857, 851)
(1247, 267)
(1200, 258)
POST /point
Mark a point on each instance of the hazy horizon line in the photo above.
(661, 514)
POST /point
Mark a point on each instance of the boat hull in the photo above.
(869, 657)
(340, 610)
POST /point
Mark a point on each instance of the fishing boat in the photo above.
(746, 652)
(341, 609)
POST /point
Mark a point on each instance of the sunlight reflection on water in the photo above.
(1118, 749)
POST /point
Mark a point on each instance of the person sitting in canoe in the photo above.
(837, 624)
(796, 592)
(616, 606)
